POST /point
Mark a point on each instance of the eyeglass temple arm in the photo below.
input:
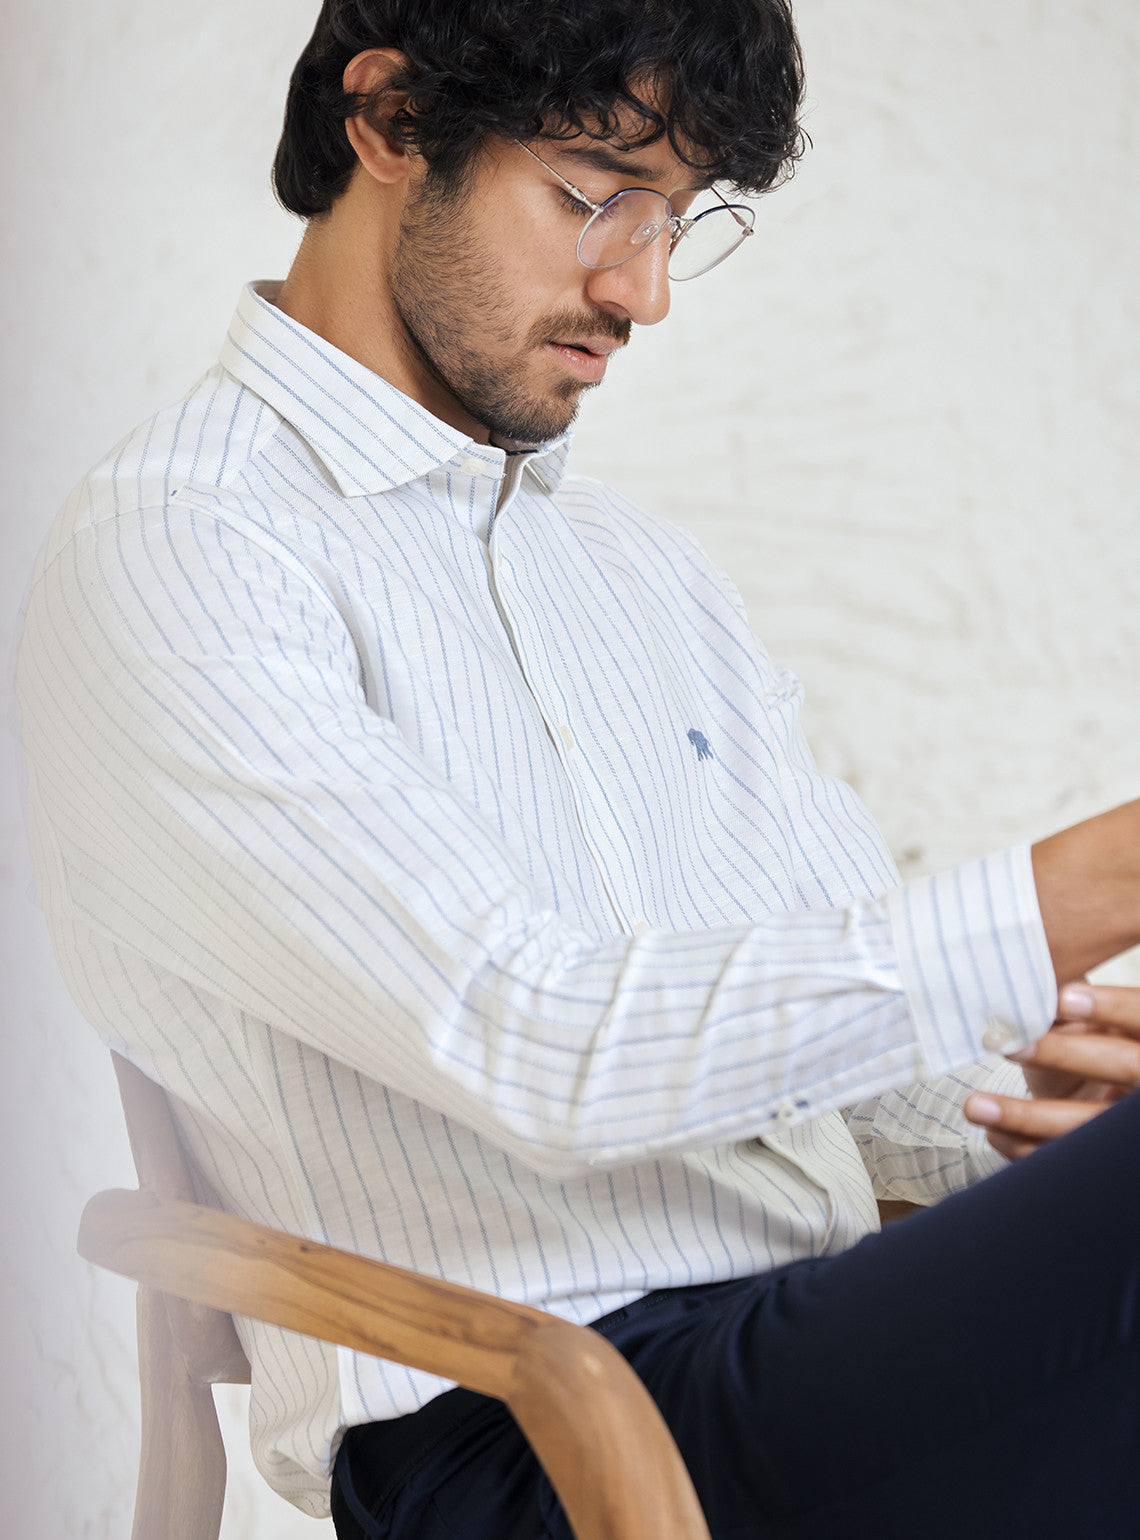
(743, 223)
(569, 186)
(596, 208)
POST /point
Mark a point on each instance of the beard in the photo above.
(469, 333)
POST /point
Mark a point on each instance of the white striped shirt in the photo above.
(464, 875)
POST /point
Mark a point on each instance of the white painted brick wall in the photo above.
(904, 418)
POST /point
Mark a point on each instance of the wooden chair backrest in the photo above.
(205, 1337)
(184, 1349)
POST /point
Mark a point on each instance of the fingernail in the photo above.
(982, 1109)
(1076, 1000)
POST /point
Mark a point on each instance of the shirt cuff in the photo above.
(974, 960)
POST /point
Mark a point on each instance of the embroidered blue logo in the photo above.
(700, 743)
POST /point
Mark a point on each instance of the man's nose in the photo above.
(637, 290)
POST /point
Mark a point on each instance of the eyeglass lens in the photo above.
(627, 222)
(710, 238)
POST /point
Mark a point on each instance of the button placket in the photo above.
(499, 567)
(472, 486)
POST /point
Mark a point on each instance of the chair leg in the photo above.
(182, 1466)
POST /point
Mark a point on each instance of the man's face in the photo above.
(495, 304)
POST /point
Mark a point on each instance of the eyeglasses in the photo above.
(630, 220)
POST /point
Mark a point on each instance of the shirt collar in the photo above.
(370, 436)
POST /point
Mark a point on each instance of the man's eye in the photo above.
(575, 205)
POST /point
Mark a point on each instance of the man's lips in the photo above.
(603, 346)
(586, 359)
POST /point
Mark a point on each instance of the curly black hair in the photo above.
(722, 79)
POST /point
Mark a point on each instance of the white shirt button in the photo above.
(470, 466)
(786, 1112)
(640, 927)
(567, 738)
(998, 1035)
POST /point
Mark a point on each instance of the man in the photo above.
(428, 822)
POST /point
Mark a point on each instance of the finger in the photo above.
(1012, 1148)
(1109, 1005)
(1091, 1056)
(1032, 1120)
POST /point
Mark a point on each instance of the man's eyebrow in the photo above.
(617, 162)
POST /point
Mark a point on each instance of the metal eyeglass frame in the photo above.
(678, 224)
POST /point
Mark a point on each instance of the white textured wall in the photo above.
(904, 418)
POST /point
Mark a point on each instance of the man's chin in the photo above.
(533, 420)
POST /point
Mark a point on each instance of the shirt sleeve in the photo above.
(970, 944)
(916, 1142)
(209, 788)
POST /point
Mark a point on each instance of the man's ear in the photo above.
(384, 158)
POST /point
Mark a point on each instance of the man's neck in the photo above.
(337, 288)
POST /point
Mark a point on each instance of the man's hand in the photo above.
(1089, 1059)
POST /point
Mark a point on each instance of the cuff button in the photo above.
(999, 1035)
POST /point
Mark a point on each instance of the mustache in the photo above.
(569, 325)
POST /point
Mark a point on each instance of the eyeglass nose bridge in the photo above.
(678, 224)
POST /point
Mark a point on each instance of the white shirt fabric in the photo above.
(428, 821)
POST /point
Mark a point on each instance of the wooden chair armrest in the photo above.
(891, 1209)
(587, 1416)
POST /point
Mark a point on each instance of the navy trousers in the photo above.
(973, 1373)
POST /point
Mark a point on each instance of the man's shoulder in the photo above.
(203, 442)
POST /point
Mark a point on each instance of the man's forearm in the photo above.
(1088, 887)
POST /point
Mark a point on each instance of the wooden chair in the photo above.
(590, 1421)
